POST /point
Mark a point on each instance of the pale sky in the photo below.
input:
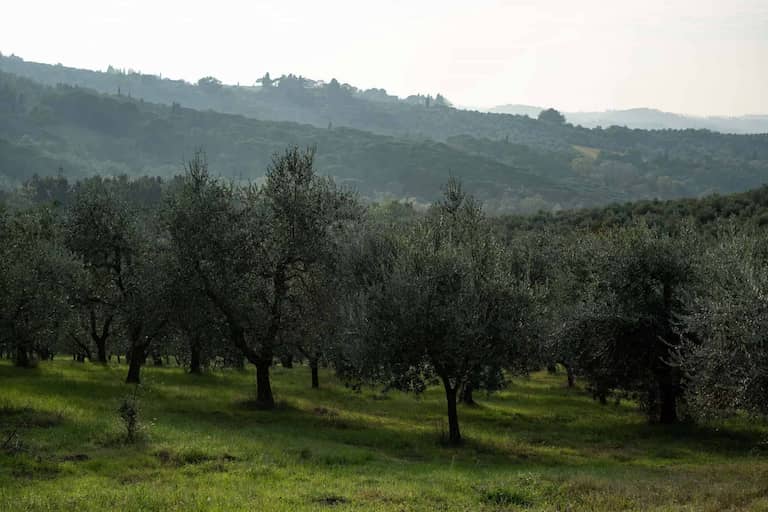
(704, 57)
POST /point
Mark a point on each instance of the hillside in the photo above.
(382, 146)
(300, 99)
(75, 131)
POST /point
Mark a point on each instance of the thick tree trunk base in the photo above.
(22, 359)
(134, 372)
(454, 435)
(136, 358)
(315, 375)
(195, 364)
(264, 398)
(101, 352)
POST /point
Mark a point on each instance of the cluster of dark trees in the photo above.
(297, 269)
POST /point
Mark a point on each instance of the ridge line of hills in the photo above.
(84, 123)
(649, 119)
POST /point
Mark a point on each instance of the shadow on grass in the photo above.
(520, 421)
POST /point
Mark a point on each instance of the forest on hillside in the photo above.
(85, 123)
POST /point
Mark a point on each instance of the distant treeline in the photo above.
(746, 209)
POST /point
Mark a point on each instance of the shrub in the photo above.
(129, 412)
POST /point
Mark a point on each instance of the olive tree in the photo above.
(625, 325)
(251, 247)
(447, 307)
(34, 275)
(99, 229)
(725, 351)
(130, 274)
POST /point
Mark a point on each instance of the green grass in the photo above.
(535, 446)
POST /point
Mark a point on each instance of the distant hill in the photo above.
(77, 132)
(649, 119)
(86, 122)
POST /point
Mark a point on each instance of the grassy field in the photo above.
(535, 446)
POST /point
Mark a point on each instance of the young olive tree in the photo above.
(447, 307)
(251, 248)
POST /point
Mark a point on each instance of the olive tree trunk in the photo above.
(454, 435)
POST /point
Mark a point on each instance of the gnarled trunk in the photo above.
(315, 373)
(454, 435)
(101, 350)
(100, 339)
(195, 359)
(136, 357)
(264, 397)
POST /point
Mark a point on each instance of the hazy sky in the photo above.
(689, 56)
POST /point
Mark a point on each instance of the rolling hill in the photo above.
(81, 122)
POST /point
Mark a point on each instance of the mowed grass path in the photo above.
(535, 446)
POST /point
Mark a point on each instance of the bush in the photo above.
(129, 415)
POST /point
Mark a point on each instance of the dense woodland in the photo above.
(663, 303)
